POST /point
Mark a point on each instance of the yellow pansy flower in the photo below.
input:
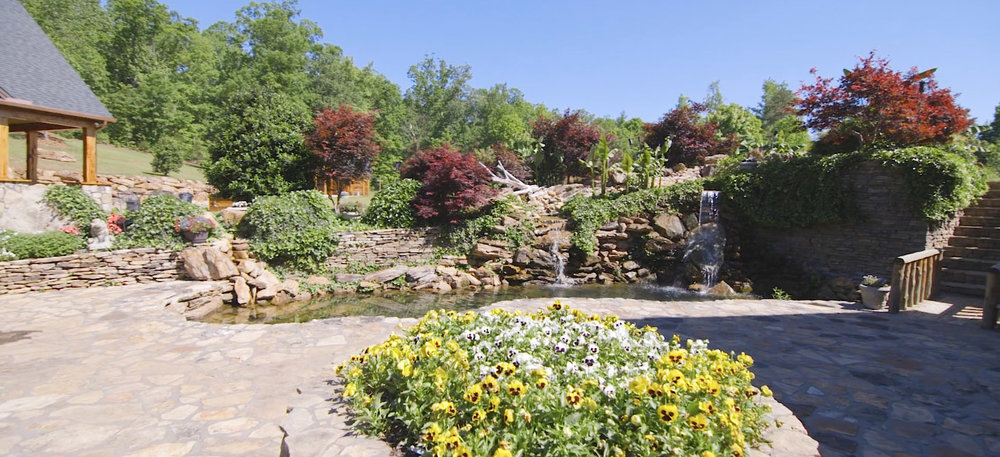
(667, 413)
(473, 393)
(698, 422)
(638, 385)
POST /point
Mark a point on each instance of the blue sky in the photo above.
(639, 56)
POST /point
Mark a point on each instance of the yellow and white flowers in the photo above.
(556, 382)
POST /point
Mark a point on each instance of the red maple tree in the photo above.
(691, 138)
(565, 142)
(344, 142)
(453, 184)
(873, 107)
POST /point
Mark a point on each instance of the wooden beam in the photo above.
(4, 143)
(37, 127)
(31, 139)
(69, 122)
(89, 155)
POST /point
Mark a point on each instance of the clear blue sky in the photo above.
(639, 56)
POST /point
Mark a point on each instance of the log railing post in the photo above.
(914, 279)
(990, 301)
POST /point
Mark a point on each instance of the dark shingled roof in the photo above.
(33, 70)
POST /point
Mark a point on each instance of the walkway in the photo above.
(110, 372)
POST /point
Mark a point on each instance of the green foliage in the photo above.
(779, 294)
(39, 245)
(587, 214)
(153, 224)
(167, 157)
(393, 205)
(461, 237)
(259, 148)
(737, 121)
(810, 190)
(72, 203)
(294, 230)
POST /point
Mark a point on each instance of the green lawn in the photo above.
(111, 160)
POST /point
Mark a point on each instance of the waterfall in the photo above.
(706, 245)
(559, 266)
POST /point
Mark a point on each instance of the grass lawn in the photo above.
(111, 160)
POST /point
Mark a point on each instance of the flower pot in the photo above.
(194, 237)
(874, 297)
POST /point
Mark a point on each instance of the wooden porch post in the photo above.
(31, 139)
(4, 142)
(89, 155)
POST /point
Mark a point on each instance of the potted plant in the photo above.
(350, 210)
(874, 292)
(194, 228)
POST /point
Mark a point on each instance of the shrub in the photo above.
(691, 139)
(587, 213)
(452, 184)
(344, 143)
(566, 142)
(153, 224)
(39, 245)
(810, 190)
(462, 237)
(393, 205)
(72, 203)
(553, 383)
(294, 230)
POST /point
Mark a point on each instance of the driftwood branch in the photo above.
(510, 180)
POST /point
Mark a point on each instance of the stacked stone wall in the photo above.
(384, 247)
(102, 268)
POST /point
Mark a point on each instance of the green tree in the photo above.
(781, 127)
(436, 103)
(735, 121)
(500, 115)
(991, 132)
(258, 146)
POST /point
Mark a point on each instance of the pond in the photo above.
(416, 304)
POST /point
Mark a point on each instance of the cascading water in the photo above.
(705, 247)
(559, 266)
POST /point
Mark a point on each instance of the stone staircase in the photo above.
(974, 247)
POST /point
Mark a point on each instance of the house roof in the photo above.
(34, 72)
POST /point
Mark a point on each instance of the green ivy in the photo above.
(152, 225)
(294, 230)
(72, 203)
(587, 214)
(462, 237)
(810, 190)
(40, 245)
(393, 205)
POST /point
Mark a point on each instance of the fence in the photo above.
(914, 279)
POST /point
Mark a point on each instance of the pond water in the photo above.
(416, 304)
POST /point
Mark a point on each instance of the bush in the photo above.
(587, 214)
(553, 383)
(39, 245)
(453, 184)
(153, 224)
(811, 190)
(393, 205)
(72, 203)
(294, 230)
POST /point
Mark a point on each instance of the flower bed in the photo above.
(553, 383)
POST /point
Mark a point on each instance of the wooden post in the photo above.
(4, 142)
(31, 139)
(89, 155)
(991, 297)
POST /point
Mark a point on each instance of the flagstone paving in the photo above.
(111, 372)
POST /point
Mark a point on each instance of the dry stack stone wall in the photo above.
(122, 187)
(889, 228)
(384, 247)
(103, 268)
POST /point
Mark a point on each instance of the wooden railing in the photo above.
(992, 298)
(914, 279)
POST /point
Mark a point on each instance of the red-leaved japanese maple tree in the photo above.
(344, 142)
(691, 138)
(874, 107)
(453, 184)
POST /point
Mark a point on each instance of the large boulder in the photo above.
(387, 275)
(423, 274)
(195, 266)
(485, 252)
(220, 266)
(668, 226)
(242, 290)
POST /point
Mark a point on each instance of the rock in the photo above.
(242, 290)
(320, 281)
(483, 252)
(668, 226)
(387, 275)
(722, 290)
(691, 221)
(630, 265)
(247, 266)
(616, 178)
(657, 245)
(471, 280)
(423, 274)
(220, 266)
(271, 283)
(442, 286)
(195, 266)
(198, 309)
(446, 271)
(232, 215)
(222, 244)
(714, 159)
(522, 256)
(289, 286)
(347, 277)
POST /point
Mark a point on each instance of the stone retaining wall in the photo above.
(890, 228)
(123, 187)
(384, 247)
(102, 268)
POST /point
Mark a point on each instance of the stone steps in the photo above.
(974, 248)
